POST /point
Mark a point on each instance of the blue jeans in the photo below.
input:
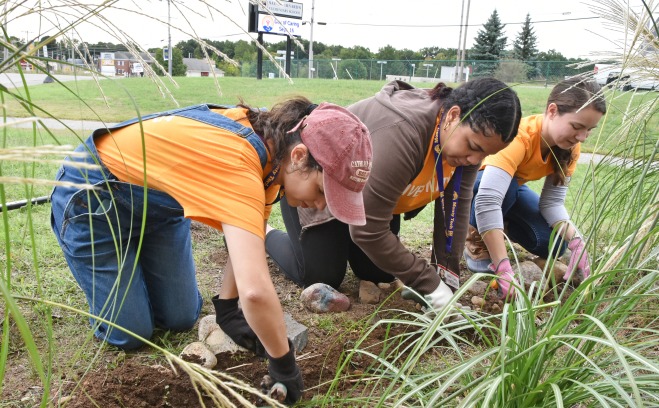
(136, 279)
(521, 210)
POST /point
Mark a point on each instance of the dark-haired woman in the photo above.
(128, 241)
(419, 136)
(547, 145)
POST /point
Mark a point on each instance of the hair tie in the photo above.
(309, 109)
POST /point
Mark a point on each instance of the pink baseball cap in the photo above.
(341, 144)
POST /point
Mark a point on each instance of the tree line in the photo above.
(485, 56)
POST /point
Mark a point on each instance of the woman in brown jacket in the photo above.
(419, 136)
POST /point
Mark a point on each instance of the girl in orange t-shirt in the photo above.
(546, 145)
(128, 242)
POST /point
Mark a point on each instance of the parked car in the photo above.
(602, 71)
(630, 79)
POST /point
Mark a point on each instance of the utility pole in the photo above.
(169, 35)
(313, 5)
(457, 55)
(464, 43)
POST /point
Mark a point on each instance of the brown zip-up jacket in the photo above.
(401, 120)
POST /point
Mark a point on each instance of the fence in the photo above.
(425, 70)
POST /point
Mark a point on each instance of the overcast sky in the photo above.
(567, 26)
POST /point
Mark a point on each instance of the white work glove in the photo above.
(440, 296)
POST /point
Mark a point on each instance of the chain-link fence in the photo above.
(431, 71)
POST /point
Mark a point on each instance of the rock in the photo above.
(369, 293)
(496, 309)
(477, 301)
(297, 333)
(397, 284)
(384, 285)
(207, 325)
(531, 273)
(322, 298)
(558, 271)
(478, 288)
(197, 352)
(217, 342)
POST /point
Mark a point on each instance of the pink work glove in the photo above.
(505, 278)
(578, 261)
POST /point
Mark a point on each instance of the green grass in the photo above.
(114, 100)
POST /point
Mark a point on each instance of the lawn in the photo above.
(119, 99)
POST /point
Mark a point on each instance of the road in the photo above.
(13, 80)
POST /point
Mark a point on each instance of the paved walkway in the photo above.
(13, 80)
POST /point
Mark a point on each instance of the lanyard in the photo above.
(439, 168)
(271, 177)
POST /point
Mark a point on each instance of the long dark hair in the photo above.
(275, 124)
(571, 95)
(487, 105)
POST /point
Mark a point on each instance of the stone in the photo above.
(478, 288)
(297, 333)
(206, 325)
(477, 301)
(397, 284)
(369, 293)
(197, 352)
(384, 285)
(530, 272)
(322, 298)
(558, 271)
(496, 309)
(217, 342)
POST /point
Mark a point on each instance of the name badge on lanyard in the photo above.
(451, 278)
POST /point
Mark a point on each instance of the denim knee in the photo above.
(123, 340)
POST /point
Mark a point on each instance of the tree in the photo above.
(524, 47)
(429, 52)
(488, 46)
(178, 67)
(386, 53)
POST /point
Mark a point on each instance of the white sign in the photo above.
(284, 8)
(268, 24)
(138, 68)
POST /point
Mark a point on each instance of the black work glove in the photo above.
(284, 370)
(233, 323)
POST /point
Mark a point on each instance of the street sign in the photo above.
(281, 8)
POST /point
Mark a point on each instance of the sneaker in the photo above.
(475, 252)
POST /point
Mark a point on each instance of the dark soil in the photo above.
(135, 381)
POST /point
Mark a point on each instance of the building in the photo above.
(201, 68)
(123, 63)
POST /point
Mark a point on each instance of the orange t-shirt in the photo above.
(424, 188)
(214, 174)
(522, 158)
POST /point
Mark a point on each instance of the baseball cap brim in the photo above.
(346, 205)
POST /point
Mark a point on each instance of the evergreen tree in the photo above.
(488, 46)
(524, 47)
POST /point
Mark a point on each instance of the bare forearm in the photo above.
(249, 279)
(496, 245)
